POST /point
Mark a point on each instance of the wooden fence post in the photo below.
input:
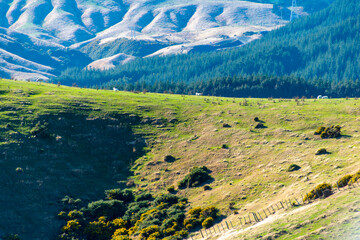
(265, 213)
(240, 221)
(268, 211)
(219, 228)
(227, 225)
(260, 216)
(281, 204)
(255, 217)
(231, 224)
(273, 208)
(201, 234)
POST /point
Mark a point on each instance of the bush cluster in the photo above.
(196, 177)
(321, 151)
(204, 217)
(293, 167)
(125, 214)
(347, 179)
(329, 132)
(169, 158)
(321, 190)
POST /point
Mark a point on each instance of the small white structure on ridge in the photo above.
(322, 97)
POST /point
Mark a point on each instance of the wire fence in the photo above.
(252, 218)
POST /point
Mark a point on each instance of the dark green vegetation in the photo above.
(347, 179)
(321, 190)
(329, 132)
(196, 177)
(293, 167)
(321, 151)
(124, 214)
(313, 55)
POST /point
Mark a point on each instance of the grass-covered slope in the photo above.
(57, 141)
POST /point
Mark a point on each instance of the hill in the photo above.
(57, 141)
(319, 50)
(137, 28)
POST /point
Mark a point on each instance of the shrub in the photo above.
(62, 215)
(125, 195)
(225, 146)
(208, 222)
(144, 196)
(166, 198)
(72, 226)
(99, 230)
(147, 232)
(329, 132)
(120, 234)
(195, 211)
(225, 125)
(75, 214)
(207, 187)
(192, 222)
(209, 212)
(171, 189)
(323, 189)
(256, 119)
(120, 237)
(293, 167)
(319, 130)
(169, 158)
(182, 233)
(109, 208)
(260, 125)
(321, 151)
(355, 177)
(119, 223)
(197, 176)
(343, 181)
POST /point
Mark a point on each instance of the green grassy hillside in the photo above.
(57, 141)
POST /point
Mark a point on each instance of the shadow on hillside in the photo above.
(67, 154)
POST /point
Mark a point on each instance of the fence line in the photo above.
(253, 218)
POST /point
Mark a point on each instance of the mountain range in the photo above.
(40, 38)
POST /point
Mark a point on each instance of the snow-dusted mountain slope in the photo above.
(180, 26)
(110, 62)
